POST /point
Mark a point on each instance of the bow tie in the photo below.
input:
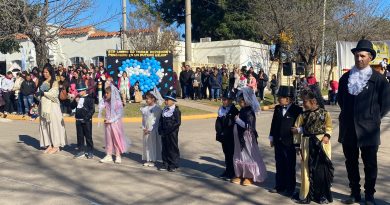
(284, 107)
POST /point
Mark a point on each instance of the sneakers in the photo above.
(106, 159)
(79, 155)
(149, 164)
(247, 182)
(163, 168)
(236, 180)
(172, 169)
(118, 159)
(89, 155)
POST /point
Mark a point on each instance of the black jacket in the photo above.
(86, 112)
(224, 125)
(368, 109)
(186, 77)
(170, 125)
(281, 125)
(27, 88)
(249, 117)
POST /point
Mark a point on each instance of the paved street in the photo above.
(29, 177)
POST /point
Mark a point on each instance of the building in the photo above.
(87, 44)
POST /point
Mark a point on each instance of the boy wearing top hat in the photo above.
(85, 108)
(168, 128)
(281, 138)
(224, 126)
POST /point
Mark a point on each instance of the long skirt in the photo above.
(52, 132)
(151, 147)
(248, 162)
(115, 138)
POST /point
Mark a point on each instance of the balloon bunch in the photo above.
(148, 72)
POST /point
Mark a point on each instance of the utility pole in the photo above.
(323, 49)
(188, 33)
(124, 25)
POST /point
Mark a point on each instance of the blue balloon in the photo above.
(109, 66)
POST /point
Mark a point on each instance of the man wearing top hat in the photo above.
(224, 126)
(364, 99)
(85, 108)
(281, 138)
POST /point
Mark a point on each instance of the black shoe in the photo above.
(223, 176)
(369, 200)
(303, 201)
(89, 155)
(288, 193)
(79, 155)
(163, 168)
(352, 199)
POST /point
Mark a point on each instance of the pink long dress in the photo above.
(115, 138)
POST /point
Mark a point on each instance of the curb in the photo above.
(125, 119)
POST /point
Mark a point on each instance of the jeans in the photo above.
(28, 101)
(215, 93)
(8, 107)
(20, 103)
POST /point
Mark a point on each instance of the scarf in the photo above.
(358, 80)
(223, 111)
(168, 111)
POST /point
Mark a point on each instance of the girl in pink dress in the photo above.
(116, 142)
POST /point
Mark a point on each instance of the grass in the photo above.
(133, 110)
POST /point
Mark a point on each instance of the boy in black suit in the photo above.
(224, 126)
(281, 138)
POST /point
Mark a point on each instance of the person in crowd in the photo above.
(252, 83)
(205, 83)
(137, 93)
(124, 87)
(18, 95)
(151, 114)
(186, 81)
(313, 130)
(7, 85)
(334, 86)
(311, 80)
(243, 81)
(27, 90)
(274, 86)
(262, 83)
(51, 125)
(232, 79)
(237, 78)
(248, 162)
(215, 82)
(251, 71)
(224, 126)
(91, 85)
(364, 99)
(115, 140)
(64, 97)
(85, 108)
(197, 84)
(34, 111)
(225, 81)
(282, 140)
(168, 128)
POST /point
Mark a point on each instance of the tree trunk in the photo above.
(42, 53)
(330, 70)
(279, 74)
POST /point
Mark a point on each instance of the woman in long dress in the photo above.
(51, 123)
(247, 159)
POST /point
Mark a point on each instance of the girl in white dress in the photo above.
(150, 119)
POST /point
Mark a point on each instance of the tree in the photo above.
(41, 21)
(146, 30)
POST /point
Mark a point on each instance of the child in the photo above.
(115, 138)
(137, 93)
(150, 120)
(34, 111)
(168, 128)
(224, 126)
(281, 138)
(314, 127)
(248, 163)
(124, 87)
(85, 108)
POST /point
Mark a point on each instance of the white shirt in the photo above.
(358, 79)
(7, 84)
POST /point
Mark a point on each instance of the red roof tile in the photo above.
(103, 34)
(75, 31)
(20, 36)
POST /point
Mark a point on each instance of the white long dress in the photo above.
(151, 142)
(51, 123)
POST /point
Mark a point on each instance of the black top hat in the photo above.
(171, 95)
(80, 86)
(365, 45)
(286, 91)
(228, 94)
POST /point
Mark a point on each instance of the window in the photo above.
(97, 59)
(76, 60)
(216, 59)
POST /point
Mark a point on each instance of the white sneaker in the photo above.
(151, 164)
(106, 159)
(118, 159)
(146, 164)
